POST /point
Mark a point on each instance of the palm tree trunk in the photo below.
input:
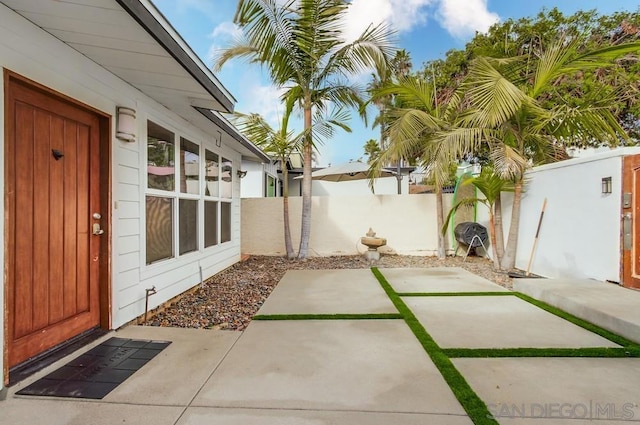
(285, 212)
(307, 153)
(509, 259)
(499, 231)
(440, 222)
(493, 238)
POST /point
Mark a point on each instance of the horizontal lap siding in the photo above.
(29, 51)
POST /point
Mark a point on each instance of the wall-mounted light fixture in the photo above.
(126, 124)
(606, 185)
(241, 174)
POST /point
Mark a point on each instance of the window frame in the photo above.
(177, 195)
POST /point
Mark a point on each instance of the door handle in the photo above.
(627, 236)
(97, 230)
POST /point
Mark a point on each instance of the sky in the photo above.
(427, 29)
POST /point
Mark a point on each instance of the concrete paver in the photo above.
(357, 365)
(438, 279)
(40, 411)
(605, 304)
(551, 390)
(179, 371)
(497, 322)
(328, 292)
(214, 416)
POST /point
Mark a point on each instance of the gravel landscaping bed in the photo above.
(231, 298)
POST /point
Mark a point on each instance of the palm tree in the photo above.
(414, 122)
(491, 185)
(515, 111)
(281, 144)
(301, 45)
(401, 64)
(372, 150)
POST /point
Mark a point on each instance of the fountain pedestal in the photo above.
(372, 243)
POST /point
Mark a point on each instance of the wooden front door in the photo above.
(52, 191)
(631, 222)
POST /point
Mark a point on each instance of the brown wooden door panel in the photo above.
(631, 257)
(53, 271)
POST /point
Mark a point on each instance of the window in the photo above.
(188, 235)
(212, 174)
(270, 191)
(160, 158)
(189, 167)
(188, 204)
(210, 223)
(159, 228)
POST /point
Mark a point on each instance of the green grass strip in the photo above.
(472, 404)
(327, 316)
(455, 294)
(542, 352)
(620, 340)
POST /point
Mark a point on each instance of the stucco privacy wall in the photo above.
(580, 233)
(337, 223)
(33, 53)
(382, 186)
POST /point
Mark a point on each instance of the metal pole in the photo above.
(399, 177)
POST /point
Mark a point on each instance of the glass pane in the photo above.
(212, 174)
(227, 178)
(210, 223)
(160, 158)
(271, 187)
(189, 167)
(188, 217)
(225, 222)
(159, 228)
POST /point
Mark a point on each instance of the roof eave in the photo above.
(233, 132)
(161, 30)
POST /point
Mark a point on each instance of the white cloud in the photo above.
(223, 34)
(227, 30)
(263, 100)
(462, 18)
(400, 15)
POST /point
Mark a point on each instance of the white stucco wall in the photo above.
(580, 232)
(253, 184)
(29, 51)
(382, 186)
(338, 222)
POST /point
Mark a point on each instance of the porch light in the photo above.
(241, 174)
(126, 124)
(606, 185)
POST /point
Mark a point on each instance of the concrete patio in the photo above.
(364, 370)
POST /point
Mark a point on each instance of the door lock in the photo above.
(97, 230)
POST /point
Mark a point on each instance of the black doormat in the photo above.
(99, 371)
(49, 357)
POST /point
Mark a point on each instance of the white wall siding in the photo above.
(33, 53)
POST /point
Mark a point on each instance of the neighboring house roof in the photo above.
(135, 42)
